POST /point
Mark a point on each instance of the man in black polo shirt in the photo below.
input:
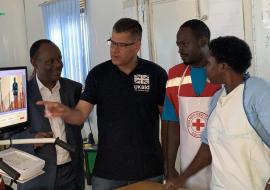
(129, 93)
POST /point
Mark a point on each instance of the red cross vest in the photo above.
(193, 115)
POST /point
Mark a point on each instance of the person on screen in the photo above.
(129, 93)
(15, 93)
(63, 169)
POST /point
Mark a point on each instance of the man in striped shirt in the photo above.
(188, 93)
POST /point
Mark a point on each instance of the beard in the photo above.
(189, 63)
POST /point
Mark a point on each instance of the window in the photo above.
(65, 24)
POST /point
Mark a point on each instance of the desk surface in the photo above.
(144, 185)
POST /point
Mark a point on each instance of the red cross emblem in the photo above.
(196, 122)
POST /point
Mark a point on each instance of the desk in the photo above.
(144, 185)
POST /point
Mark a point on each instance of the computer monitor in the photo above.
(13, 99)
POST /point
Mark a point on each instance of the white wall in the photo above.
(34, 24)
(13, 43)
(261, 39)
(34, 21)
(165, 20)
(21, 25)
(102, 14)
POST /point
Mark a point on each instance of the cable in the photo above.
(10, 142)
(91, 139)
(9, 137)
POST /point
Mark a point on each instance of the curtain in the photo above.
(65, 25)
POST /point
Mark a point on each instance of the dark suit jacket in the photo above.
(70, 92)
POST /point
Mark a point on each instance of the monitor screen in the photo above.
(13, 99)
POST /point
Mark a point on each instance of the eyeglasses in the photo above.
(112, 43)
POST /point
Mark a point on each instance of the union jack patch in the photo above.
(141, 83)
(141, 79)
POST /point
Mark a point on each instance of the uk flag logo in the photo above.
(141, 83)
(141, 79)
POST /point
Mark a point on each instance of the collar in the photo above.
(41, 86)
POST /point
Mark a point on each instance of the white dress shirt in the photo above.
(57, 124)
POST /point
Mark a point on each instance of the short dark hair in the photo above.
(233, 51)
(128, 25)
(35, 46)
(198, 27)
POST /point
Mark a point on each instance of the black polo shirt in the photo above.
(128, 119)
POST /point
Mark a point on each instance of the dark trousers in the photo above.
(65, 178)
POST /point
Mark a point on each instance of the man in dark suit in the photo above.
(63, 169)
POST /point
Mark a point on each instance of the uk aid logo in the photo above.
(141, 83)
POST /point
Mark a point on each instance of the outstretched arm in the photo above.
(74, 116)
